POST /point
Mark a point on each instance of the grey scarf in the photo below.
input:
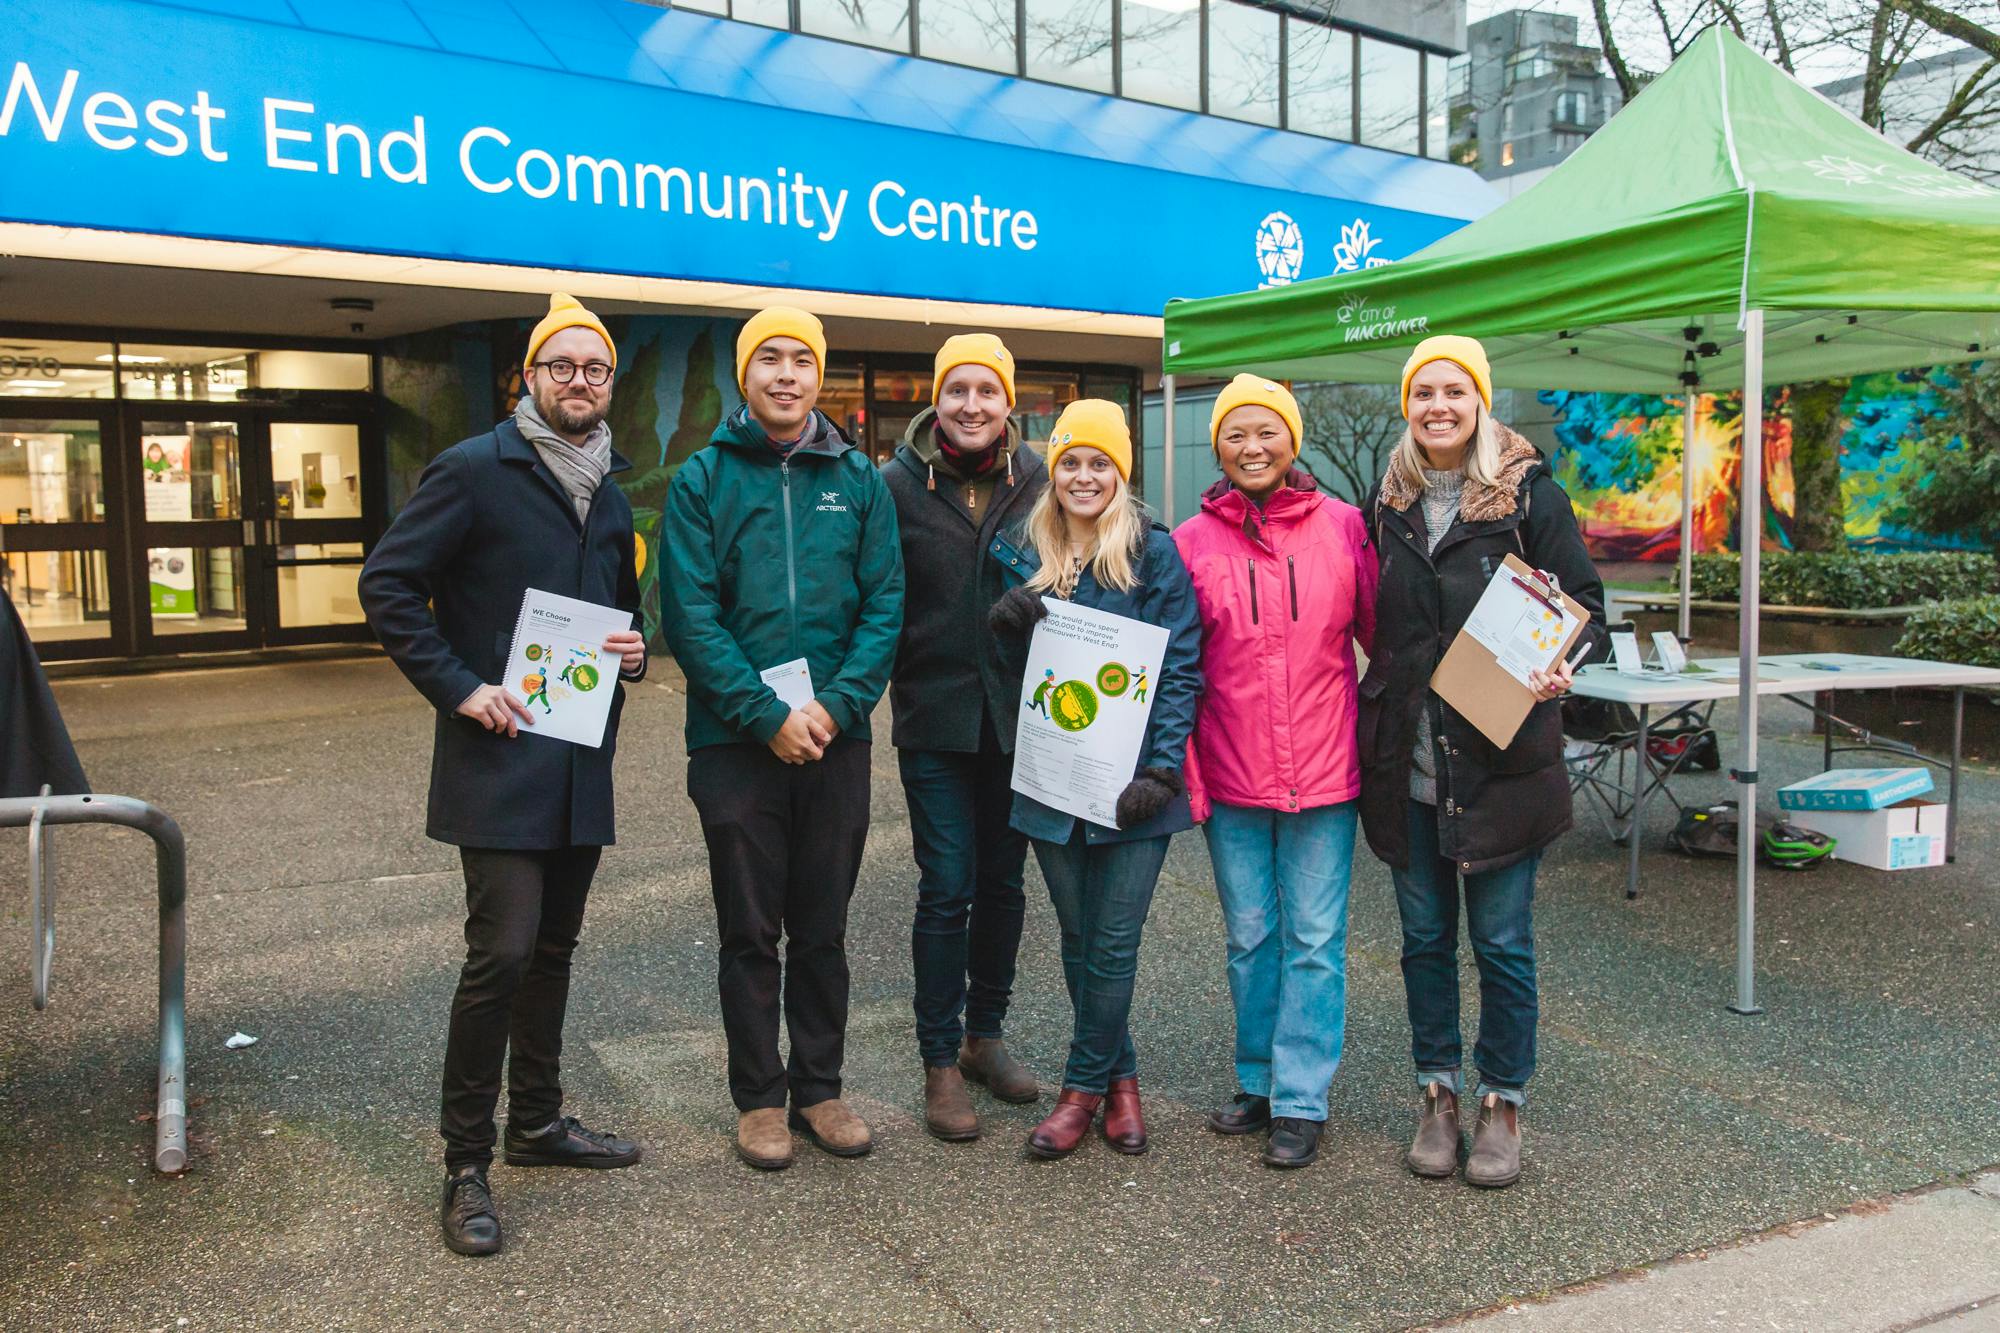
(579, 467)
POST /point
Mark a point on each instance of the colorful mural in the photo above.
(1620, 461)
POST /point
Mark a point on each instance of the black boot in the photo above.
(466, 1216)
(1294, 1142)
(566, 1142)
(1245, 1115)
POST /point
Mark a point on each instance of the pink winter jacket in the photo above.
(1284, 597)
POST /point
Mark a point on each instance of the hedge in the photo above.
(1966, 630)
(1851, 578)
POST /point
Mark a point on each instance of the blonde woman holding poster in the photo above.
(1089, 543)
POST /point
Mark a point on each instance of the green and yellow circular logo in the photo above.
(1072, 705)
(584, 677)
(533, 652)
(1113, 679)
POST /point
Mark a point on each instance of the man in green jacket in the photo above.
(782, 601)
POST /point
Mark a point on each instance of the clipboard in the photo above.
(1474, 683)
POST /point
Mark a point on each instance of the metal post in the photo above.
(1640, 771)
(1957, 751)
(1687, 515)
(1167, 444)
(1750, 529)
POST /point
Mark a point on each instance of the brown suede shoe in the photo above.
(948, 1112)
(833, 1128)
(762, 1139)
(1496, 1145)
(986, 1060)
(1434, 1152)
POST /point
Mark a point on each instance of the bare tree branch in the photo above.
(1783, 48)
(1628, 87)
(1943, 21)
(1954, 109)
(1729, 16)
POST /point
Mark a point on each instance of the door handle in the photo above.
(249, 532)
(272, 530)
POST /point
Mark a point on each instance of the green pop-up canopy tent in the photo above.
(1727, 228)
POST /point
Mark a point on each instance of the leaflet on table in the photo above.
(558, 663)
(1522, 631)
(791, 681)
(1084, 703)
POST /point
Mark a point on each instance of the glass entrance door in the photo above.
(55, 558)
(318, 504)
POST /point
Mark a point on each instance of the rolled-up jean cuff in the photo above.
(1453, 1083)
(1518, 1096)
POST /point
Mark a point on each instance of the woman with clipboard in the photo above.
(1453, 814)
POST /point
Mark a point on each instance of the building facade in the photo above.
(258, 263)
(1525, 95)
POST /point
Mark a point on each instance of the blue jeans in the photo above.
(1500, 918)
(1101, 896)
(970, 905)
(1283, 882)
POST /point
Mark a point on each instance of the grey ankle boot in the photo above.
(1434, 1152)
(1495, 1162)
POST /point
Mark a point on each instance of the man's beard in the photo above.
(570, 416)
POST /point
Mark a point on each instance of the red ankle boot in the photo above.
(1059, 1135)
(1124, 1120)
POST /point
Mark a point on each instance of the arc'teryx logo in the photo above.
(829, 503)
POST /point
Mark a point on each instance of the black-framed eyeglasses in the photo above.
(595, 373)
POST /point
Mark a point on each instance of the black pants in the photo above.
(784, 851)
(970, 904)
(523, 911)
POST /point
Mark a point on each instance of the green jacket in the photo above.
(771, 559)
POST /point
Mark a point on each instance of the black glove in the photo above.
(1147, 795)
(1016, 612)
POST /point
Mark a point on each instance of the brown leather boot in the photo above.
(986, 1060)
(1434, 1152)
(1124, 1118)
(1064, 1130)
(833, 1128)
(762, 1139)
(948, 1112)
(1495, 1162)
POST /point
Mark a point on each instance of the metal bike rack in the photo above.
(39, 814)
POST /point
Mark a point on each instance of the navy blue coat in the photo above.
(1164, 596)
(443, 589)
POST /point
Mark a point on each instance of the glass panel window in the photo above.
(842, 399)
(195, 590)
(315, 470)
(883, 23)
(51, 472)
(719, 8)
(1160, 45)
(39, 368)
(1437, 107)
(766, 13)
(1389, 104)
(1319, 79)
(314, 593)
(1038, 400)
(61, 595)
(224, 374)
(968, 32)
(1069, 42)
(899, 396)
(1243, 62)
(190, 470)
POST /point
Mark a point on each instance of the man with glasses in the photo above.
(530, 504)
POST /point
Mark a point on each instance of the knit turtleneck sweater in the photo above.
(1442, 493)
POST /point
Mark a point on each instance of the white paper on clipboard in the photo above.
(1524, 632)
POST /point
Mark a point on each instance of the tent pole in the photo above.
(1167, 442)
(1687, 514)
(1750, 529)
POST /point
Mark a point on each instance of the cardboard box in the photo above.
(1855, 789)
(1905, 836)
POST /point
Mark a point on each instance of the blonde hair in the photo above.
(1482, 458)
(1113, 556)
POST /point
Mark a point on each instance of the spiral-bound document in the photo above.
(558, 668)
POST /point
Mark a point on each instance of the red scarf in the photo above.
(969, 465)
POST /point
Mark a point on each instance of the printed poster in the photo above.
(1084, 703)
(169, 499)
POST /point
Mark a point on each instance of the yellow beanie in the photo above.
(780, 321)
(1256, 391)
(1465, 353)
(1098, 424)
(973, 349)
(566, 312)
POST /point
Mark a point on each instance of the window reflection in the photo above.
(39, 368)
(51, 472)
(968, 32)
(1069, 42)
(883, 23)
(1320, 79)
(1389, 100)
(1437, 106)
(1243, 63)
(1160, 50)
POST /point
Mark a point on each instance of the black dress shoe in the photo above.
(1294, 1142)
(467, 1218)
(567, 1143)
(1245, 1115)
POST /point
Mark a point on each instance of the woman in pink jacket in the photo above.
(1285, 581)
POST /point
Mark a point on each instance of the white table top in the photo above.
(1787, 673)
